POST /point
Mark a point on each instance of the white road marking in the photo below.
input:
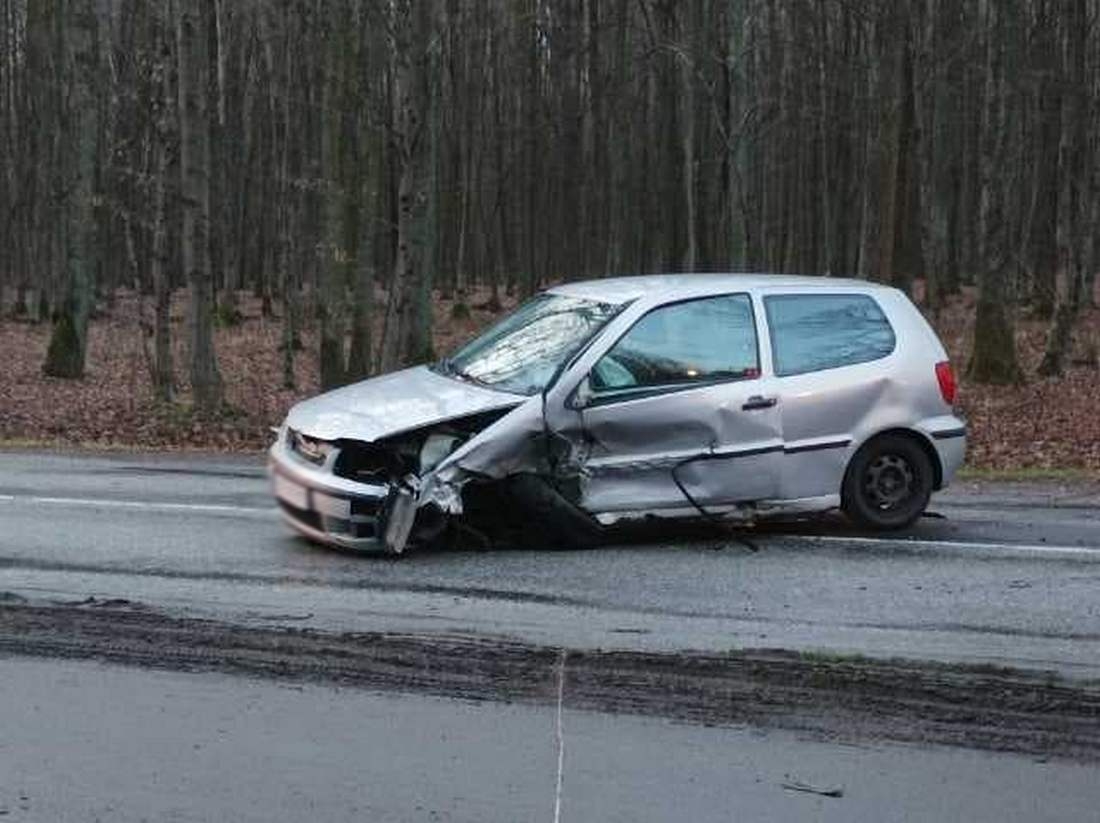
(141, 505)
(560, 737)
(1017, 548)
(264, 512)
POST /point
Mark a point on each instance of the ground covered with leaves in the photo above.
(1042, 424)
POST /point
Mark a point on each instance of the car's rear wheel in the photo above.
(888, 484)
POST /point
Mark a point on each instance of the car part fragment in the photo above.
(400, 513)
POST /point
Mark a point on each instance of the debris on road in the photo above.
(824, 791)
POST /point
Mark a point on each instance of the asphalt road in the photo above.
(82, 742)
(1007, 575)
(307, 683)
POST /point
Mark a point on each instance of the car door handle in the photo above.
(759, 402)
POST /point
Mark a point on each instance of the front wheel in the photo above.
(888, 484)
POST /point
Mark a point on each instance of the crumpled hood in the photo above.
(393, 403)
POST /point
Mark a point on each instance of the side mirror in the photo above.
(581, 397)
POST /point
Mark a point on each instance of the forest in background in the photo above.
(351, 164)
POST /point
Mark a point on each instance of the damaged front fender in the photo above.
(509, 446)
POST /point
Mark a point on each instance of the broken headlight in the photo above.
(309, 449)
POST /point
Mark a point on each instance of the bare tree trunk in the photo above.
(334, 253)
(163, 375)
(932, 151)
(686, 64)
(1073, 201)
(994, 356)
(871, 195)
(67, 350)
(907, 257)
(1048, 107)
(825, 159)
(194, 130)
(410, 341)
(891, 161)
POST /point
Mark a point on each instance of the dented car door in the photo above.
(676, 414)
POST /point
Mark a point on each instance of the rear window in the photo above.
(813, 332)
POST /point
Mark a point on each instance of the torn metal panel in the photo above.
(642, 452)
(512, 445)
(400, 513)
(732, 513)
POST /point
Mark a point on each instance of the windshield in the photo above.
(523, 352)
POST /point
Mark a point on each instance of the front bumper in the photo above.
(327, 508)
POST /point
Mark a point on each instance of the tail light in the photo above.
(949, 388)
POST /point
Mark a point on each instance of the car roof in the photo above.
(622, 289)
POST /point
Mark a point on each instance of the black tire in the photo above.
(554, 522)
(888, 483)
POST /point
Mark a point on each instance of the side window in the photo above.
(812, 332)
(697, 341)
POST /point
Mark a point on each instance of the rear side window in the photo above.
(696, 341)
(813, 332)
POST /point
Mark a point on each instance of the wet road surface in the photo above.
(1007, 576)
(301, 682)
(84, 742)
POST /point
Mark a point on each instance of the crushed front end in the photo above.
(367, 495)
(318, 499)
(397, 458)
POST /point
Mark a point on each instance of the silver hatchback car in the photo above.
(731, 397)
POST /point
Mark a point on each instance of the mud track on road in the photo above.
(851, 699)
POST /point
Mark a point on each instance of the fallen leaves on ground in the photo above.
(1044, 423)
(1041, 424)
(113, 406)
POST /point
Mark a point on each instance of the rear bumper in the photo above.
(324, 507)
(948, 437)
